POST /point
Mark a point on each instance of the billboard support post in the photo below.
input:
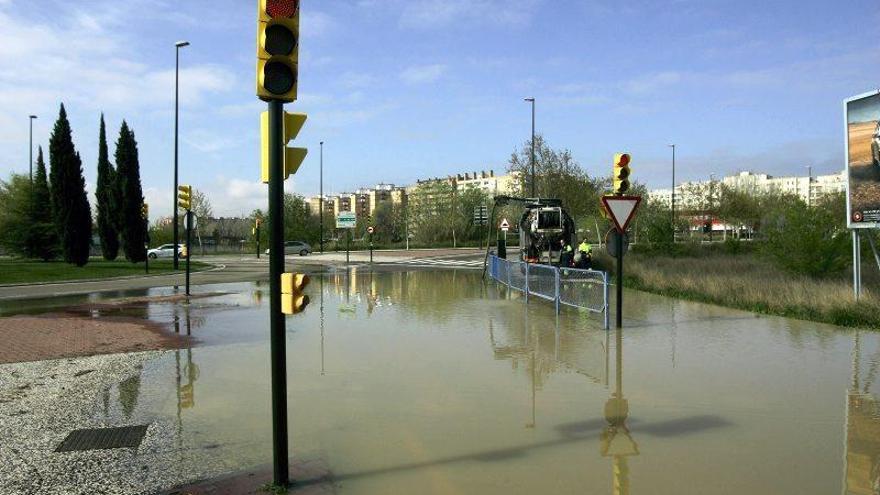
(857, 263)
(874, 249)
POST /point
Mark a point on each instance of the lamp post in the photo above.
(321, 196)
(673, 192)
(31, 148)
(532, 101)
(177, 47)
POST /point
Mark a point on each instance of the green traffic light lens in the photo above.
(278, 78)
(279, 40)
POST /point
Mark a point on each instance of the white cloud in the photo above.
(423, 73)
(440, 13)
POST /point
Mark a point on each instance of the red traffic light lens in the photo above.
(281, 8)
(624, 160)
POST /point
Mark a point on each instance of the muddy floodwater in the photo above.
(432, 382)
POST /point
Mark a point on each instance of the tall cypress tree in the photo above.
(128, 182)
(44, 237)
(70, 205)
(106, 196)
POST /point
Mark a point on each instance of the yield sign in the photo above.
(505, 225)
(621, 209)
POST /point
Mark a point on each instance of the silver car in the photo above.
(875, 146)
(296, 247)
(165, 251)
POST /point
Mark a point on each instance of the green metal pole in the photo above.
(276, 318)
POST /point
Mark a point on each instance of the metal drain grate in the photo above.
(125, 437)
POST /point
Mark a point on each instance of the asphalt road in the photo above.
(228, 269)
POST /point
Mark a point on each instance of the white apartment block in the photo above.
(687, 194)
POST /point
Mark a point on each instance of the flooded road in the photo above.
(431, 382)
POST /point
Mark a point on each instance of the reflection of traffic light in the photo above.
(293, 300)
(145, 211)
(277, 49)
(621, 173)
(187, 397)
(184, 197)
(293, 157)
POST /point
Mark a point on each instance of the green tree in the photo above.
(15, 210)
(431, 214)
(299, 223)
(128, 175)
(71, 212)
(808, 241)
(106, 195)
(43, 237)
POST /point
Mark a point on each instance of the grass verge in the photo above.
(750, 283)
(14, 271)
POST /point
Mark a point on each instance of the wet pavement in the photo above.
(431, 382)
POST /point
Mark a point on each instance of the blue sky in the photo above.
(404, 89)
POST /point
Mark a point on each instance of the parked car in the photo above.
(875, 145)
(296, 247)
(165, 251)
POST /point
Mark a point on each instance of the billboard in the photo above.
(863, 160)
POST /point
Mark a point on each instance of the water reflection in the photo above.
(862, 459)
(616, 441)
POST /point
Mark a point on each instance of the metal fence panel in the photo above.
(582, 288)
(585, 289)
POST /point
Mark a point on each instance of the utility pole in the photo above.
(31, 149)
(177, 47)
(532, 100)
(809, 186)
(321, 196)
(673, 192)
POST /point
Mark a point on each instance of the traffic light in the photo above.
(621, 173)
(293, 157)
(293, 300)
(258, 222)
(277, 49)
(145, 211)
(184, 197)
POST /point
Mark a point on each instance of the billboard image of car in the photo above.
(863, 160)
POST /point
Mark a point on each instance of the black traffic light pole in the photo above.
(371, 248)
(276, 318)
(257, 230)
(147, 246)
(189, 221)
(619, 279)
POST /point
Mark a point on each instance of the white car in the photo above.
(165, 251)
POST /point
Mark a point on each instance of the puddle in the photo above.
(431, 382)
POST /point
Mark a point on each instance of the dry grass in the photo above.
(750, 283)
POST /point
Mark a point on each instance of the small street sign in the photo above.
(621, 209)
(505, 225)
(370, 229)
(346, 220)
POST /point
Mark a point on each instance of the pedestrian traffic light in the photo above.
(293, 157)
(621, 173)
(277, 49)
(184, 197)
(293, 301)
(145, 211)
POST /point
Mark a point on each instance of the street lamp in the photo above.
(532, 101)
(177, 47)
(673, 192)
(31, 148)
(321, 197)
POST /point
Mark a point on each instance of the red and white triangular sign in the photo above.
(505, 225)
(621, 209)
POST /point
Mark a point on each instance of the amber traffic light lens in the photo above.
(279, 40)
(278, 78)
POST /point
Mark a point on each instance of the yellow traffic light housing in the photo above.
(293, 157)
(277, 49)
(293, 300)
(621, 173)
(184, 197)
(145, 211)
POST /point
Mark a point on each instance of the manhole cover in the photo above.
(125, 437)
